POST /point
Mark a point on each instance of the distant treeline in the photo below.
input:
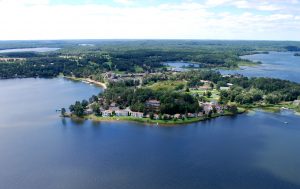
(127, 56)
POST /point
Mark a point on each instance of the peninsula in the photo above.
(171, 97)
(139, 86)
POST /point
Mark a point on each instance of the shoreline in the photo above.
(170, 123)
(87, 80)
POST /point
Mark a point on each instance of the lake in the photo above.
(40, 49)
(282, 65)
(182, 66)
(41, 150)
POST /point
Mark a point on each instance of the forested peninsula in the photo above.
(141, 87)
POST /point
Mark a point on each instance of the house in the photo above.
(156, 116)
(153, 103)
(207, 107)
(88, 111)
(113, 107)
(296, 102)
(204, 87)
(137, 114)
(191, 115)
(122, 112)
(178, 116)
(229, 84)
(224, 88)
(106, 113)
(200, 114)
(219, 108)
(205, 81)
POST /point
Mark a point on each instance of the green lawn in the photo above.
(166, 85)
(215, 94)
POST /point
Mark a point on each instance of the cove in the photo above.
(282, 65)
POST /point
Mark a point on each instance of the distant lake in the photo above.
(41, 49)
(282, 65)
(181, 66)
(41, 150)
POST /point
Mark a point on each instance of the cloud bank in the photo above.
(129, 19)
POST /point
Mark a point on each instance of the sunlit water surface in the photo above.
(38, 149)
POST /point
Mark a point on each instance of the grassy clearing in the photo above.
(167, 85)
(138, 69)
(214, 97)
(145, 120)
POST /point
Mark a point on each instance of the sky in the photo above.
(150, 19)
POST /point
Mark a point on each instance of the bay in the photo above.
(282, 65)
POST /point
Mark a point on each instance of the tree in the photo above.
(272, 99)
(224, 95)
(94, 98)
(179, 87)
(71, 108)
(63, 111)
(77, 109)
(151, 115)
(96, 108)
(214, 109)
(84, 104)
(257, 95)
(208, 94)
(233, 109)
(210, 113)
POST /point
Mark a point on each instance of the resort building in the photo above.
(106, 113)
(137, 114)
(122, 113)
(153, 105)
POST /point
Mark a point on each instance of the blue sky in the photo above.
(150, 19)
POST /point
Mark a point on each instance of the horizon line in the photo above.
(148, 39)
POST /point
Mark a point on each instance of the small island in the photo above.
(169, 98)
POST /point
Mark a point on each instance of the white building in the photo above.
(106, 113)
(137, 114)
(122, 113)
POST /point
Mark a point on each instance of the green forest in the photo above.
(126, 56)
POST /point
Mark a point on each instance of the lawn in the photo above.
(215, 94)
(167, 85)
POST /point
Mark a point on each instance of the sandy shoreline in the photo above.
(95, 82)
(88, 80)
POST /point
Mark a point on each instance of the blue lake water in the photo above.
(39, 49)
(182, 66)
(282, 65)
(38, 149)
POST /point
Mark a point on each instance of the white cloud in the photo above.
(126, 2)
(187, 20)
(242, 4)
(217, 2)
(23, 2)
(268, 7)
